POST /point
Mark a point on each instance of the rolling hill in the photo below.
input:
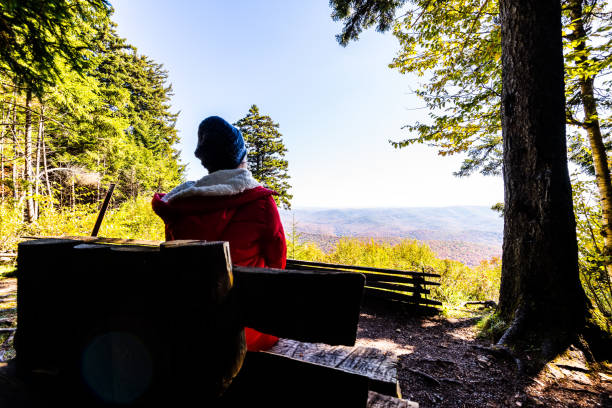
(464, 233)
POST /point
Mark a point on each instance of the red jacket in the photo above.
(249, 221)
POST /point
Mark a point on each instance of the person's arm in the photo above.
(275, 246)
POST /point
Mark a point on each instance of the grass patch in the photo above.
(491, 327)
(8, 271)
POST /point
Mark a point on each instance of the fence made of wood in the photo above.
(409, 288)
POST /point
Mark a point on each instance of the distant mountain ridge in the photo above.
(453, 232)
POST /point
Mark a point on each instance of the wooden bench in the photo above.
(143, 323)
(405, 288)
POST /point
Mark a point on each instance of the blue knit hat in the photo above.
(220, 145)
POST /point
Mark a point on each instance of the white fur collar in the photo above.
(219, 183)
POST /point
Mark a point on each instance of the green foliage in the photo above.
(38, 36)
(460, 283)
(11, 225)
(594, 276)
(297, 249)
(111, 121)
(456, 45)
(491, 327)
(132, 219)
(266, 154)
(8, 271)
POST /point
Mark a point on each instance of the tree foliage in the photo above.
(358, 15)
(109, 122)
(266, 153)
(456, 46)
(595, 278)
(37, 37)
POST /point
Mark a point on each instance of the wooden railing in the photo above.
(404, 287)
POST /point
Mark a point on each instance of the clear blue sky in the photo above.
(336, 107)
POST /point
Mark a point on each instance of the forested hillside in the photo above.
(95, 112)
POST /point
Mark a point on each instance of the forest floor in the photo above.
(442, 363)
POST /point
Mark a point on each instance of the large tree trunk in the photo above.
(540, 290)
(30, 213)
(591, 125)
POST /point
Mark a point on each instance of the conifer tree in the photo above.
(266, 155)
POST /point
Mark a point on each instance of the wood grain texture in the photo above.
(379, 367)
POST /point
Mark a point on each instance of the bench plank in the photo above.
(314, 307)
(379, 367)
(294, 263)
(385, 294)
(270, 380)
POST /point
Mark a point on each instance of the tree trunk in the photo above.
(44, 158)
(540, 290)
(15, 149)
(591, 125)
(2, 135)
(37, 172)
(30, 213)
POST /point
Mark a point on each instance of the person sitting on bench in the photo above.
(228, 204)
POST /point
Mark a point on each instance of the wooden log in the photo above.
(112, 347)
(376, 400)
(270, 380)
(320, 307)
(378, 366)
(292, 263)
(484, 303)
(40, 267)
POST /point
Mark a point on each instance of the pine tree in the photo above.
(266, 155)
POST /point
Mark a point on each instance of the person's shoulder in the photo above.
(178, 191)
(258, 200)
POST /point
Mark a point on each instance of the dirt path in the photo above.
(8, 317)
(443, 364)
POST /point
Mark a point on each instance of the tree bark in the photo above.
(44, 158)
(15, 150)
(30, 213)
(591, 125)
(38, 157)
(2, 134)
(540, 289)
